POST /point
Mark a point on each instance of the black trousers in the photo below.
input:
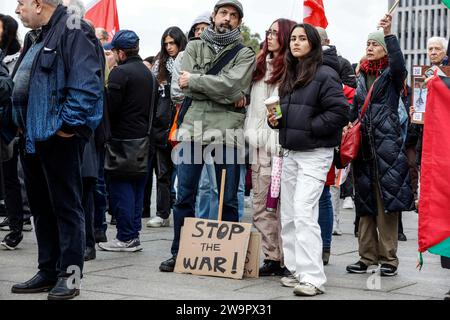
(54, 188)
(163, 166)
(89, 210)
(13, 192)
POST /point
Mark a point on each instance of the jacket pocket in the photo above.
(47, 60)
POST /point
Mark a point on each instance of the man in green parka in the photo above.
(212, 128)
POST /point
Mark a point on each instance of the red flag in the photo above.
(103, 14)
(314, 13)
(434, 217)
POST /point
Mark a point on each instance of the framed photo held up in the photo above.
(420, 91)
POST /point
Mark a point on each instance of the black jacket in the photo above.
(164, 116)
(347, 73)
(382, 162)
(7, 133)
(314, 115)
(130, 90)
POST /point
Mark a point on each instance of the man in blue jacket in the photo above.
(57, 103)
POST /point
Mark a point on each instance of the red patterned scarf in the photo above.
(374, 68)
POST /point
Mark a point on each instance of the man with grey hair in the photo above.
(57, 104)
(102, 35)
(437, 51)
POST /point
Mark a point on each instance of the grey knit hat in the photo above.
(234, 3)
(378, 36)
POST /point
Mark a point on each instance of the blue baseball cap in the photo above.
(124, 39)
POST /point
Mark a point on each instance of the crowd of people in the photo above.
(87, 123)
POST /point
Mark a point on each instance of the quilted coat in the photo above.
(382, 162)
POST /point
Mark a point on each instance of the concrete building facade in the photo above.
(415, 21)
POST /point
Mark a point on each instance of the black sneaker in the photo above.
(402, 237)
(27, 226)
(113, 221)
(168, 265)
(358, 267)
(4, 225)
(447, 296)
(12, 240)
(271, 268)
(388, 271)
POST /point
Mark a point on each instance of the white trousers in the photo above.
(302, 184)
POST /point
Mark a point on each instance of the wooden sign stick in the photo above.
(222, 193)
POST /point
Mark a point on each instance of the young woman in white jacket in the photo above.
(265, 142)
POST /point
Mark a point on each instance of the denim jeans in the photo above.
(189, 173)
(241, 191)
(326, 217)
(126, 199)
(54, 187)
(207, 206)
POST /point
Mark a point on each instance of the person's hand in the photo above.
(386, 24)
(428, 79)
(183, 82)
(64, 135)
(241, 103)
(273, 120)
(348, 127)
(412, 110)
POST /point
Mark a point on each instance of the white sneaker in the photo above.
(157, 222)
(307, 290)
(337, 232)
(348, 203)
(119, 246)
(290, 282)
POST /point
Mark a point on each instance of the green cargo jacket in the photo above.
(212, 111)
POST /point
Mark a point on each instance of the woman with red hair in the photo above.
(265, 143)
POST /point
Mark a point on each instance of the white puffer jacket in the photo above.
(258, 133)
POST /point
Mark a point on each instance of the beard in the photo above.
(224, 28)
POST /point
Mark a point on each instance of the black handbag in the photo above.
(128, 158)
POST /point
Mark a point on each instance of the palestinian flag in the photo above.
(446, 3)
(314, 13)
(434, 208)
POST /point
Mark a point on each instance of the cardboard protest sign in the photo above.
(251, 268)
(213, 248)
(420, 91)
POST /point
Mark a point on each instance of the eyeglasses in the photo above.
(272, 33)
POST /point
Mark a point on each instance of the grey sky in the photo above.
(350, 21)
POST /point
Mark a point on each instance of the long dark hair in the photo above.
(9, 41)
(300, 72)
(180, 41)
(284, 26)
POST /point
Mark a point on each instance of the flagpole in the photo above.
(391, 11)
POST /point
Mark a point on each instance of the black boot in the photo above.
(89, 254)
(271, 268)
(61, 291)
(168, 265)
(37, 284)
(326, 256)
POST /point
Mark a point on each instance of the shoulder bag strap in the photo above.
(368, 100)
(152, 105)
